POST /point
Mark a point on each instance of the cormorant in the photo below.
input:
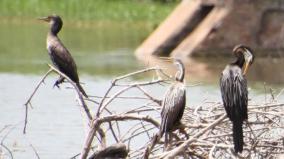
(59, 54)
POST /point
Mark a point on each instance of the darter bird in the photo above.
(59, 54)
(234, 92)
(173, 103)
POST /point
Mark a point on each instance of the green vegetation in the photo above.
(151, 11)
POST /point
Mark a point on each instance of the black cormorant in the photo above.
(59, 54)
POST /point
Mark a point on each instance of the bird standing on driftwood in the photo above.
(173, 104)
(59, 55)
(234, 92)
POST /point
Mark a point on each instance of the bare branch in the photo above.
(206, 131)
(28, 102)
(81, 99)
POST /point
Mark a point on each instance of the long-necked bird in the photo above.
(59, 54)
(234, 92)
(173, 104)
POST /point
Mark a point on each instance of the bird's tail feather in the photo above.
(238, 136)
(162, 131)
(81, 90)
(162, 127)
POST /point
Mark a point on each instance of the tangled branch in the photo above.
(208, 130)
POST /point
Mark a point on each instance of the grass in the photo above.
(89, 10)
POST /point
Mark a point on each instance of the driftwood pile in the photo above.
(134, 131)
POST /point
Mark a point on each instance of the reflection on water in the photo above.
(56, 127)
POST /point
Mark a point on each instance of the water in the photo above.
(102, 52)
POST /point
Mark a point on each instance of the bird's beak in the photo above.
(46, 19)
(245, 69)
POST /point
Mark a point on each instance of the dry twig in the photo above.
(208, 128)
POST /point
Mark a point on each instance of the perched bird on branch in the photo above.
(59, 54)
(234, 92)
(173, 103)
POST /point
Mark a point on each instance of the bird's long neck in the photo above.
(52, 38)
(240, 60)
(180, 73)
(55, 28)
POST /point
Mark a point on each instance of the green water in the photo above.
(23, 47)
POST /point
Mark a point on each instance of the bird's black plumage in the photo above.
(59, 55)
(234, 92)
(174, 103)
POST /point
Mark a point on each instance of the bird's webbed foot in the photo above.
(59, 81)
(56, 84)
